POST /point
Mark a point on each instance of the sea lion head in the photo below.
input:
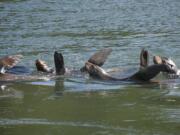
(95, 71)
(168, 62)
(170, 65)
(91, 68)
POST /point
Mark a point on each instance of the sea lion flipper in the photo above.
(42, 66)
(59, 63)
(144, 58)
(99, 57)
(9, 62)
(157, 60)
(2, 70)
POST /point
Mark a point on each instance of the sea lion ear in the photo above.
(157, 60)
(144, 58)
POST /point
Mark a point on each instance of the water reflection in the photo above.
(93, 108)
(59, 87)
(6, 91)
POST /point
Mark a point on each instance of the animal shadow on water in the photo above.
(19, 70)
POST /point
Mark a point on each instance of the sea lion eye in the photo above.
(170, 65)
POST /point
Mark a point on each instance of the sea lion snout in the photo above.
(171, 66)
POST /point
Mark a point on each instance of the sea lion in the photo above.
(145, 73)
(8, 63)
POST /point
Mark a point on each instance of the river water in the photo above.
(77, 29)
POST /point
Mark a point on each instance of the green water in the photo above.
(78, 28)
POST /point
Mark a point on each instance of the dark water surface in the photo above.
(82, 106)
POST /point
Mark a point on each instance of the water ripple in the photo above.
(27, 121)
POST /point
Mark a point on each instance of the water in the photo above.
(78, 28)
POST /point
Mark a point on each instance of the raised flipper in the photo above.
(42, 66)
(59, 63)
(157, 60)
(98, 58)
(9, 62)
(144, 58)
